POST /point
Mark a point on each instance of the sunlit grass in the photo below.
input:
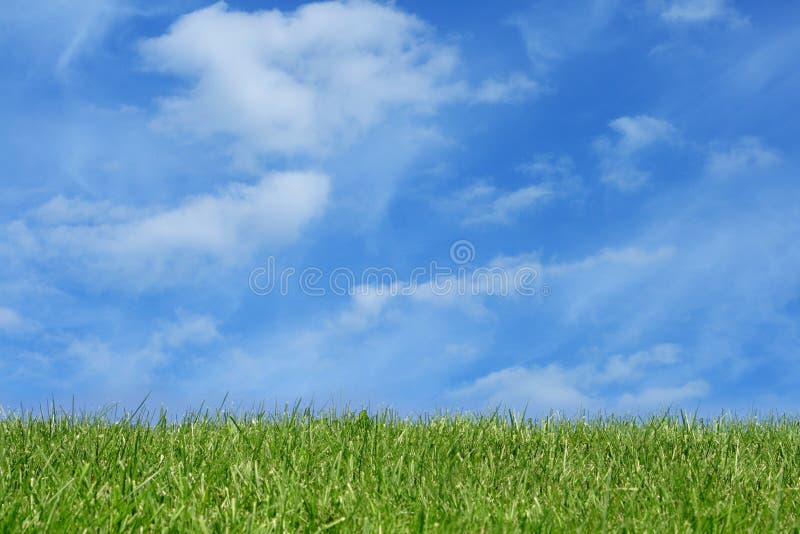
(297, 470)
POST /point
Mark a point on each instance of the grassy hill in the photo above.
(300, 471)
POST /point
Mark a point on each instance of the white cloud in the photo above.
(640, 131)
(745, 157)
(580, 281)
(551, 169)
(63, 210)
(146, 245)
(620, 163)
(763, 67)
(368, 302)
(96, 19)
(57, 33)
(516, 87)
(555, 386)
(715, 260)
(93, 358)
(188, 330)
(482, 203)
(546, 388)
(664, 397)
(697, 11)
(624, 177)
(10, 320)
(508, 204)
(625, 257)
(310, 80)
(486, 204)
(621, 368)
(374, 348)
(554, 31)
(123, 371)
(238, 217)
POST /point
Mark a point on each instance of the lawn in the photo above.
(299, 470)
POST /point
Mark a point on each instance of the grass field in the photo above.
(295, 471)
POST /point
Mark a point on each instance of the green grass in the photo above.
(295, 471)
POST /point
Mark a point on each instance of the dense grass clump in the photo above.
(301, 471)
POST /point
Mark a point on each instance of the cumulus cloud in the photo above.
(151, 242)
(308, 80)
(621, 154)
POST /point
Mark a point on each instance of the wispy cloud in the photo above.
(129, 192)
(483, 203)
(10, 320)
(571, 389)
(147, 245)
(53, 32)
(516, 87)
(585, 285)
(556, 31)
(620, 156)
(539, 389)
(663, 397)
(121, 371)
(187, 330)
(698, 11)
(745, 157)
(621, 368)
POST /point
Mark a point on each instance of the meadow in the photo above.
(300, 470)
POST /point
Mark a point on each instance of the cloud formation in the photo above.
(310, 80)
(517, 87)
(572, 389)
(123, 200)
(698, 11)
(556, 31)
(621, 155)
(122, 371)
(745, 157)
(225, 227)
(483, 203)
(53, 34)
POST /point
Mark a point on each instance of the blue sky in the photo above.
(638, 159)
